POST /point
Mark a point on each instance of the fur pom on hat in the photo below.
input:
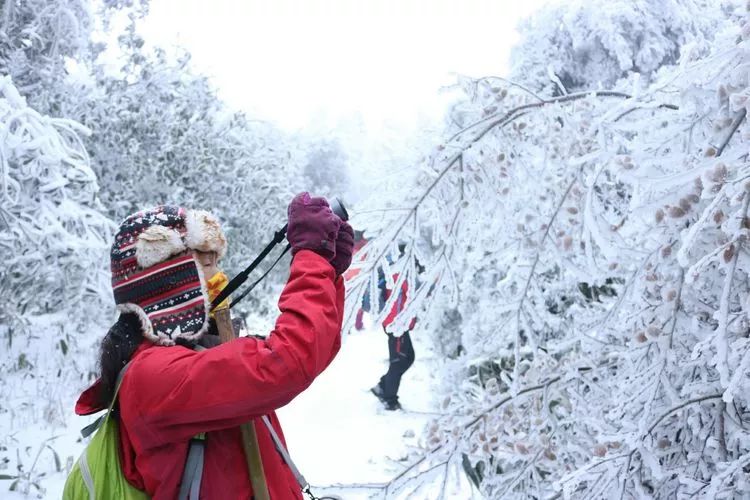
(156, 277)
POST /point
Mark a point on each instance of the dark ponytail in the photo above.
(117, 347)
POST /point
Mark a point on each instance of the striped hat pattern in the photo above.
(155, 275)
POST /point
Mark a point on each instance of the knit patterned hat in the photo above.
(156, 276)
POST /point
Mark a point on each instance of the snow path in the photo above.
(339, 433)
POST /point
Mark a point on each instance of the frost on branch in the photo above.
(54, 238)
(591, 250)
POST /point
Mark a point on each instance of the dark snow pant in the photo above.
(401, 357)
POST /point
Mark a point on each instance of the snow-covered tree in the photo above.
(54, 234)
(588, 251)
(585, 44)
(161, 135)
(325, 169)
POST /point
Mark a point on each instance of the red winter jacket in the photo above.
(170, 394)
(398, 306)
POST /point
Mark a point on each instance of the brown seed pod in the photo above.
(676, 212)
(522, 448)
(719, 173)
(709, 152)
(718, 217)
(567, 242)
(685, 204)
(572, 210)
(659, 215)
(666, 251)
(640, 337)
(728, 254)
(600, 450)
(653, 331)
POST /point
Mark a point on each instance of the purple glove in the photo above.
(344, 248)
(312, 225)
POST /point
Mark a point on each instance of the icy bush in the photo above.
(54, 235)
(592, 250)
(587, 44)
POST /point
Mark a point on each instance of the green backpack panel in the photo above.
(97, 474)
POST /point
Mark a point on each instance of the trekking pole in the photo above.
(249, 434)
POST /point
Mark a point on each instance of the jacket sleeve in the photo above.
(176, 393)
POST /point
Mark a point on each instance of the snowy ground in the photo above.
(338, 433)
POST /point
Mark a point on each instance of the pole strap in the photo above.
(250, 288)
(303, 484)
(238, 280)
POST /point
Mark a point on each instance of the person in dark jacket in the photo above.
(164, 263)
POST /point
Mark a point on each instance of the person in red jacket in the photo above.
(400, 348)
(400, 355)
(162, 261)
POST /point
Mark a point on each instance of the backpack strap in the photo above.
(93, 426)
(190, 485)
(303, 484)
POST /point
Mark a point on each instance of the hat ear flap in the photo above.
(147, 329)
(156, 244)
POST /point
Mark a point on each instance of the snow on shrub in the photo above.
(54, 235)
(590, 255)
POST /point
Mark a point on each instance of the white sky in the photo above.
(305, 62)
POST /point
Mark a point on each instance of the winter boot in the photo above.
(378, 392)
(390, 404)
